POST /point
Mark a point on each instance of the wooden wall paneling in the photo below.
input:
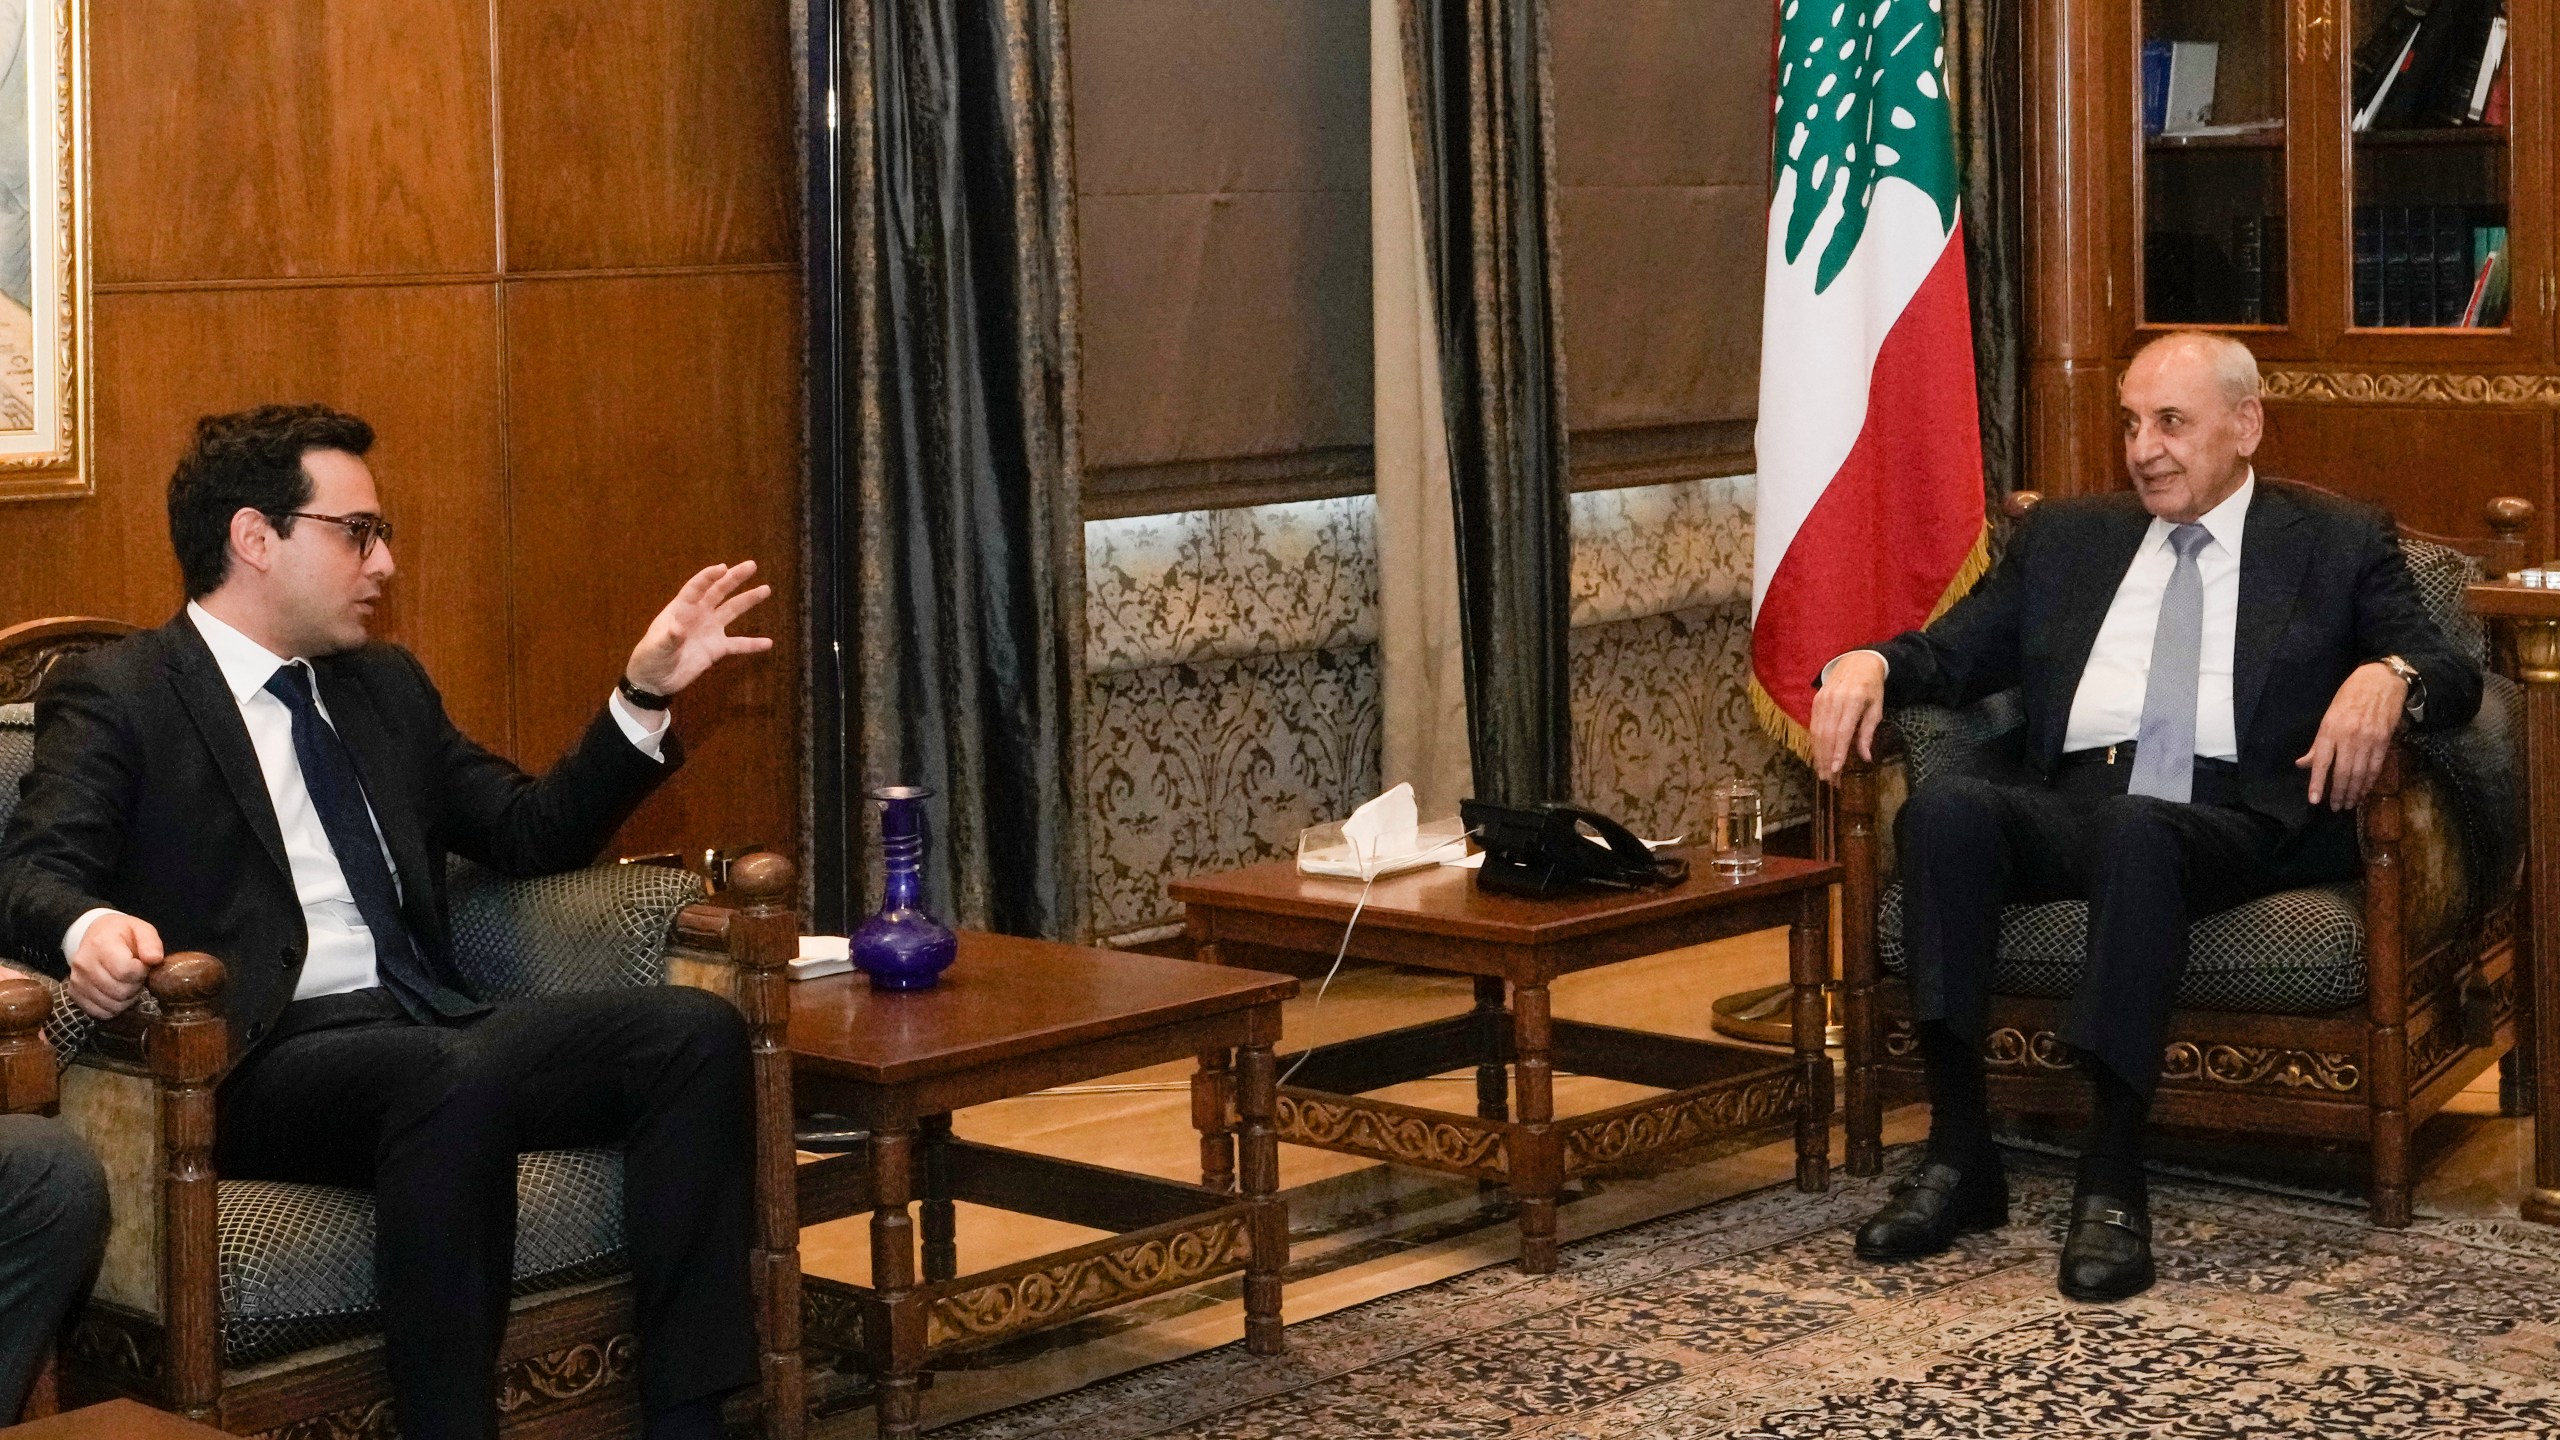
(654, 428)
(166, 359)
(646, 133)
(2433, 467)
(2077, 199)
(289, 138)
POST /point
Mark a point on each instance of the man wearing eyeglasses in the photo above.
(258, 780)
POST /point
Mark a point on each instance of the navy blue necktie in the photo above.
(337, 792)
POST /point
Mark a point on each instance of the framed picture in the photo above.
(44, 280)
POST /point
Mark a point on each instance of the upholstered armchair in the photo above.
(251, 1305)
(2345, 1013)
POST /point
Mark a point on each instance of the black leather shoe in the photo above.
(2107, 1255)
(1938, 1203)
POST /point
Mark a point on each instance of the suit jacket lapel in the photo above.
(208, 701)
(2274, 549)
(2084, 609)
(369, 741)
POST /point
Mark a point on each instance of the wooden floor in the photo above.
(1362, 1229)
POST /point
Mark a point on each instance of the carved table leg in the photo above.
(900, 1353)
(1493, 1076)
(2537, 645)
(1537, 1150)
(941, 1248)
(1212, 1085)
(1256, 1095)
(1809, 966)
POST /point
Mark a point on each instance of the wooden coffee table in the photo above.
(1436, 919)
(114, 1420)
(1012, 1017)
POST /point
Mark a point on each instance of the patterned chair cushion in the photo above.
(296, 1261)
(601, 928)
(2296, 952)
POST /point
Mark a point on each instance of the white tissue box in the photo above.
(821, 956)
(1322, 850)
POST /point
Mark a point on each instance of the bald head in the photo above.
(2192, 418)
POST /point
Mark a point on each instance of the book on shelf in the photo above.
(2395, 265)
(2368, 266)
(2495, 112)
(2420, 237)
(2453, 264)
(2257, 254)
(2493, 57)
(2177, 86)
(2489, 253)
(2383, 57)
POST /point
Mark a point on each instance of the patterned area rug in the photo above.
(1751, 1318)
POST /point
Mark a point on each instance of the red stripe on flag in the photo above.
(1893, 528)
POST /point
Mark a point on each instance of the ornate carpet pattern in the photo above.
(2273, 1319)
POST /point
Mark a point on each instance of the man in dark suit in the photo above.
(257, 781)
(2212, 668)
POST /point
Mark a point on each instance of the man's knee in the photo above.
(1950, 810)
(50, 1183)
(2136, 832)
(691, 1027)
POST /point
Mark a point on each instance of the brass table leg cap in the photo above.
(2541, 1207)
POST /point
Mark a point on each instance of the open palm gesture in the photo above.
(692, 634)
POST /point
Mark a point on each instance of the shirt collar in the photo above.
(246, 664)
(2224, 522)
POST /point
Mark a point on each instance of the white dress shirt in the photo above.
(2107, 708)
(339, 956)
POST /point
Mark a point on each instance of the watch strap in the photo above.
(639, 698)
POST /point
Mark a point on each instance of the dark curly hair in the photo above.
(249, 459)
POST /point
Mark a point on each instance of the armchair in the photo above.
(26, 1087)
(250, 1305)
(2349, 1012)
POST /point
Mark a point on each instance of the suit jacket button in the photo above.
(256, 1029)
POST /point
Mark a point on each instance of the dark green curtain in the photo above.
(1483, 104)
(1984, 78)
(958, 553)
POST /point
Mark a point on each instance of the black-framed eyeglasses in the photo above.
(363, 529)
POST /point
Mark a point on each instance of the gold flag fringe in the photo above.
(1784, 729)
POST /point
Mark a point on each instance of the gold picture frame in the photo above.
(44, 251)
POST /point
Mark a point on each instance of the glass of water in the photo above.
(1736, 848)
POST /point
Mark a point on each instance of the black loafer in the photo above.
(2107, 1255)
(1938, 1203)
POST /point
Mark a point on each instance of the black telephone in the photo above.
(1546, 850)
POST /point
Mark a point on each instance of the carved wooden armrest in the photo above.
(26, 1061)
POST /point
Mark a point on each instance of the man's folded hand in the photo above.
(114, 959)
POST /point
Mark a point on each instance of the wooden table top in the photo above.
(115, 1420)
(2500, 597)
(1006, 997)
(1443, 900)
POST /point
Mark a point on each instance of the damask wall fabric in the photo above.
(1232, 685)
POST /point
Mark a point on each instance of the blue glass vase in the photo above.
(901, 947)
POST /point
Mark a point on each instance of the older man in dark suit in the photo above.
(2212, 668)
(256, 780)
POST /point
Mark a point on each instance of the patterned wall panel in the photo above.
(1661, 715)
(1206, 766)
(1224, 584)
(1656, 549)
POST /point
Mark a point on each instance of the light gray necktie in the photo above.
(2164, 756)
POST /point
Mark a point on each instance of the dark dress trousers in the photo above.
(146, 797)
(2323, 589)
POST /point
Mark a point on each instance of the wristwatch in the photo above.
(641, 699)
(2416, 704)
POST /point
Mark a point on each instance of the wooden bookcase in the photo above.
(2130, 234)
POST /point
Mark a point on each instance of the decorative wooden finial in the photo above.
(24, 1004)
(2510, 517)
(187, 979)
(761, 878)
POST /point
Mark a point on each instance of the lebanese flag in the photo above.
(1870, 516)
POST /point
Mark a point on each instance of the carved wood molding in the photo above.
(567, 1375)
(1680, 1121)
(371, 1420)
(833, 1317)
(127, 1346)
(2355, 387)
(1431, 1143)
(2236, 1066)
(1070, 1287)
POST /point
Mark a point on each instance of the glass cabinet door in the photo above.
(2428, 110)
(2211, 90)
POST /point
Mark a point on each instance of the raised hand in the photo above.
(692, 634)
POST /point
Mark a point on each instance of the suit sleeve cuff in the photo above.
(647, 733)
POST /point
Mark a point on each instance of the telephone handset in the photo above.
(1550, 850)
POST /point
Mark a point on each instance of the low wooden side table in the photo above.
(1012, 1017)
(1436, 919)
(2531, 620)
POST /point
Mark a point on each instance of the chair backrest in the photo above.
(29, 651)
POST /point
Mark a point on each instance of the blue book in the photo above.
(2155, 86)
